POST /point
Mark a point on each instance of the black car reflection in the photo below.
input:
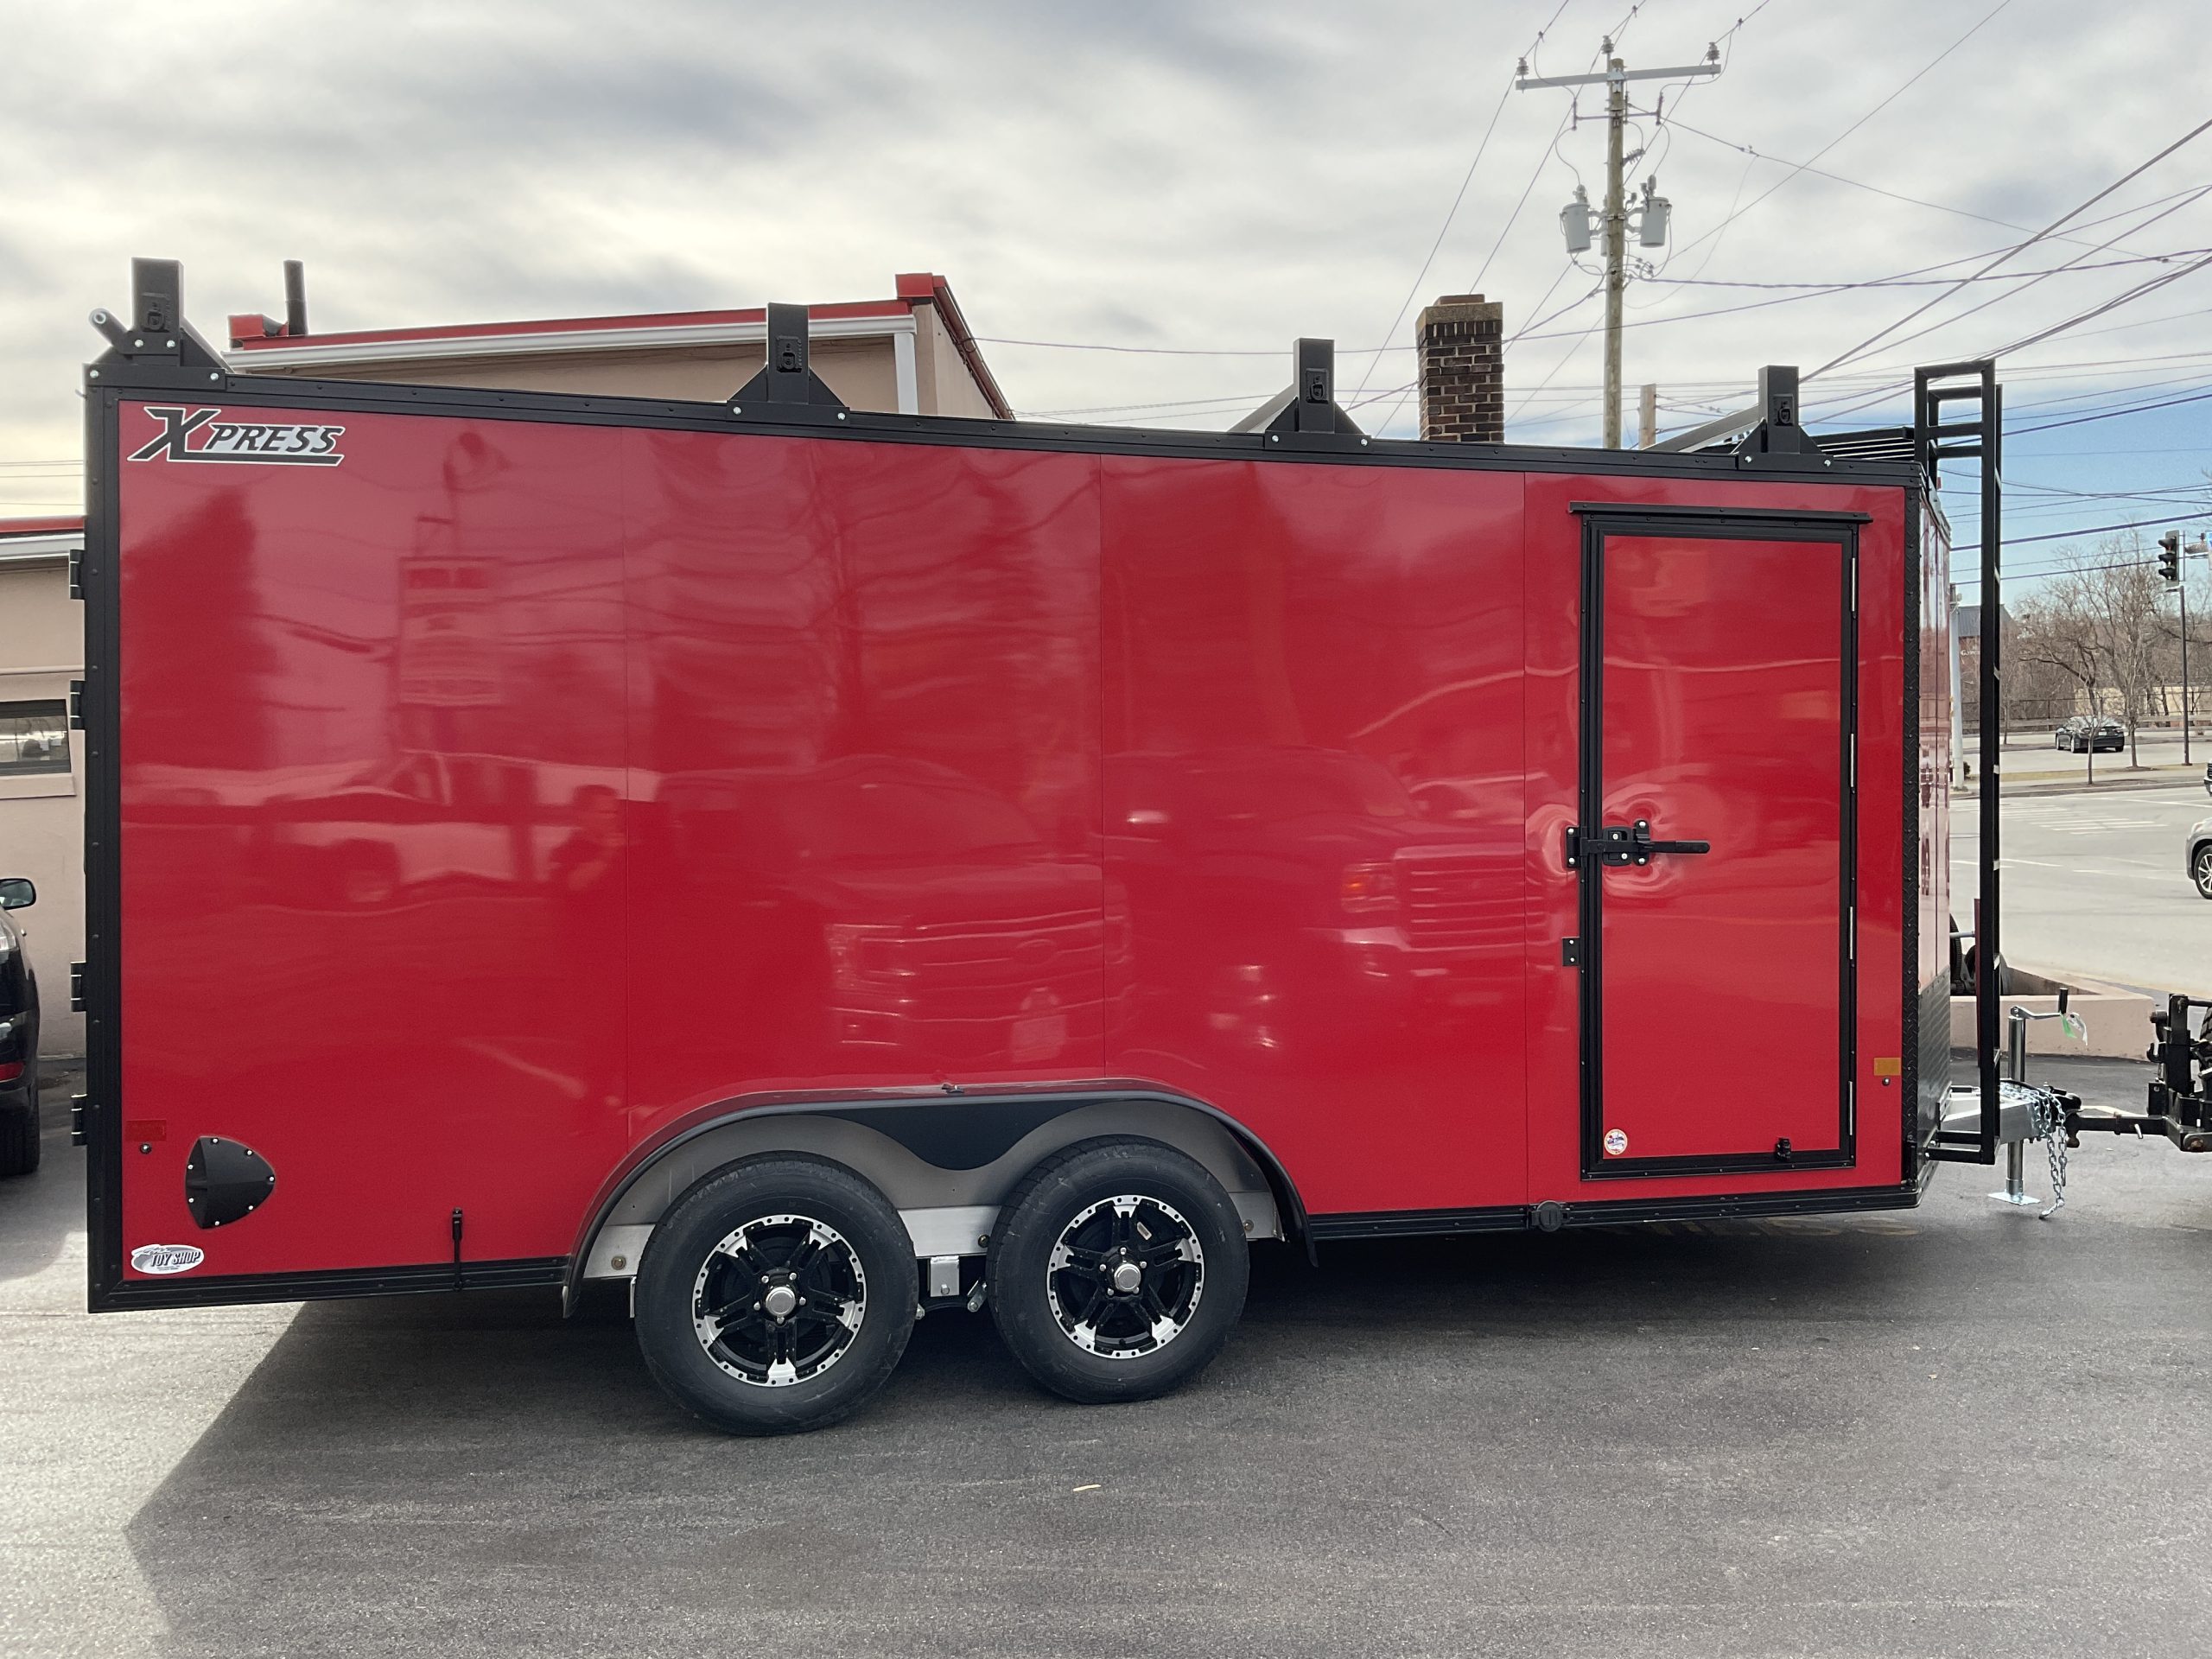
(1301, 903)
(920, 913)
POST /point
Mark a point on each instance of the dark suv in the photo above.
(18, 1037)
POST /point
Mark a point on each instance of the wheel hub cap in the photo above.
(1125, 1277)
(779, 1300)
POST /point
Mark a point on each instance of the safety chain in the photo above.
(2047, 1118)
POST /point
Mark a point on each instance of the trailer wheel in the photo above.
(776, 1296)
(1118, 1267)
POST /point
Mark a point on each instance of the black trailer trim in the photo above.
(1610, 1212)
(102, 1119)
(1665, 514)
(575, 409)
(228, 1289)
(1421, 1223)
(1840, 530)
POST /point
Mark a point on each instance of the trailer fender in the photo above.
(946, 1164)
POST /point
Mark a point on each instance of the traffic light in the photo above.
(2169, 558)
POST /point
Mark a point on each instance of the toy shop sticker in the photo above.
(167, 1258)
(1616, 1142)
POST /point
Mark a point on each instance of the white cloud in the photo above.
(1225, 176)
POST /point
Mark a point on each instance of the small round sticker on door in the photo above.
(1616, 1142)
(167, 1258)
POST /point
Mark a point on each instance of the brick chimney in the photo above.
(1461, 368)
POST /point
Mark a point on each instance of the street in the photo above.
(1956, 1430)
(2094, 885)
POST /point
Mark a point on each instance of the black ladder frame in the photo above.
(1934, 441)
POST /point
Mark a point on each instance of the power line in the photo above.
(1757, 154)
(2111, 413)
(1848, 131)
(2135, 293)
(2061, 328)
(1932, 281)
(1406, 305)
(2019, 247)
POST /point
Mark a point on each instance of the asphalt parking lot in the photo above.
(1957, 1430)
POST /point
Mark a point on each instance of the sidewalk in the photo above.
(2019, 779)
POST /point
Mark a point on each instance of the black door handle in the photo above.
(1632, 843)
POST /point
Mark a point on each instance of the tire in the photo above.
(2200, 870)
(19, 1140)
(1103, 1199)
(827, 1240)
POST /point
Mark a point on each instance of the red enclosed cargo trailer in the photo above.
(818, 864)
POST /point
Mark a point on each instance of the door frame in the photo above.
(1599, 521)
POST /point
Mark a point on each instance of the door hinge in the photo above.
(1570, 953)
(80, 1113)
(76, 988)
(1573, 846)
(76, 573)
(76, 705)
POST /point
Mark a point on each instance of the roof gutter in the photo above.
(312, 351)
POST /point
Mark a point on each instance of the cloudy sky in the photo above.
(1206, 181)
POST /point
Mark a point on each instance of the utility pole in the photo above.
(1615, 80)
(1616, 240)
(1647, 417)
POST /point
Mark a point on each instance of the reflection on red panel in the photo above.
(1313, 806)
(372, 738)
(532, 786)
(1723, 721)
(864, 768)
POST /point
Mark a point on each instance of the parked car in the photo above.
(2199, 864)
(2092, 734)
(18, 1036)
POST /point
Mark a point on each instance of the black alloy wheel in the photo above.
(776, 1295)
(1117, 1270)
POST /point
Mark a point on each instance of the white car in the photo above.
(2199, 864)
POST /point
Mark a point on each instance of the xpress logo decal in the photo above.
(204, 435)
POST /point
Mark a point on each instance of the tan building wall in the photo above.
(863, 373)
(947, 387)
(42, 817)
(910, 354)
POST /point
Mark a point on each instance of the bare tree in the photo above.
(2116, 600)
(2050, 640)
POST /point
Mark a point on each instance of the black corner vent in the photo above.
(225, 1180)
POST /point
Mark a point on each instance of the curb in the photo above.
(2007, 790)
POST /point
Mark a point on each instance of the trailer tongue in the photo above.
(811, 866)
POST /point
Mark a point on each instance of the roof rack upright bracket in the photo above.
(1306, 409)
(153, 345)
(786, 386)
